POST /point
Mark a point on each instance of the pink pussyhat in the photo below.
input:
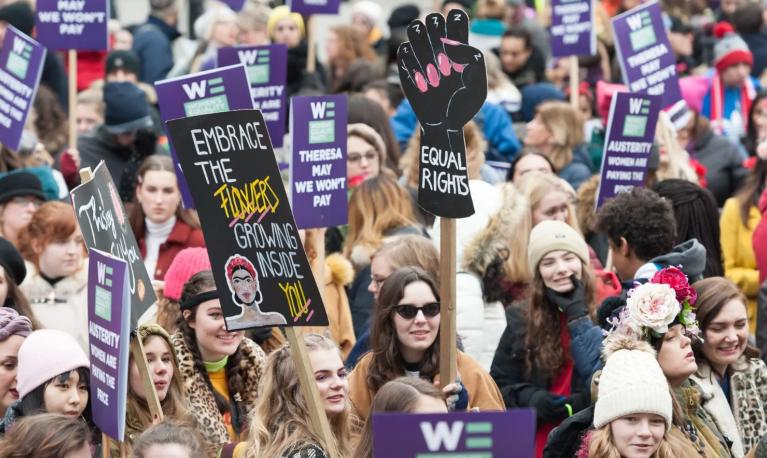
(45, 354)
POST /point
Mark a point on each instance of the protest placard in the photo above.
(318, 168)
(21, 65)
(235, 5)
(212, 91)
(508, 434)
(109, 336)
(647, 62)
(258, 262)
(105, 226)
(267, 68)
(308, 7)
(628, 142)
(572, 28)
(72, 24)
(445, 81)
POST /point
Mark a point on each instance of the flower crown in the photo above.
(652, 307)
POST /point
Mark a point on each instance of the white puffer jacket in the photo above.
(479, 324)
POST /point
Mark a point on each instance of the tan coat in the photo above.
(483, 392)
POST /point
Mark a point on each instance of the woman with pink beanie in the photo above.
(14, 328)
(52, 377)
(187, 262)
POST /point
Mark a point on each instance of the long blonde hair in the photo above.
(377, 206)
(280, 420)
(562, 122)
(536, 186)
(676, 161)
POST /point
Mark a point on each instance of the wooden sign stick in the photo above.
(72, 54)
(574, 81)
(311, 52)
(136, 348)
(448, 369)
(309, 388)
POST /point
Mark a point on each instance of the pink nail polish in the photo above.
(448, 41)
(444, 64)
(458, 67)
(420, 82)
(431, 73)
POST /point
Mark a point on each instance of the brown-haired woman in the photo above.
(221, 370)
(343, 45)
(163, 369)
(550, 347)
(379, 208)
(404, 340)
(47, 435)
(56, 284)
(556, 132)
(405, 395)
(168, 438)
(730, 372)
(162, 227)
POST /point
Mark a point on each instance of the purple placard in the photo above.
(318, 169)
(212, 91)
(572, 28)
(307, 7)
(647, 62)
(21, 64)
(235, 5)
(508, 434)
(267, 72)
(72, 24)
(628, 142)
(108, 340)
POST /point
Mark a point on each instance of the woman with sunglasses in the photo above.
(404, 340)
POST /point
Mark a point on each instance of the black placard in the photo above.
(259, 264)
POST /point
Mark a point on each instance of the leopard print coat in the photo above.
(199, 397)
(748, 385)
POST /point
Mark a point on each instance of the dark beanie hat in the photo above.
(466, 4)
(12, 261)
(126, 108)
(20, 15)
(123, 60)
(403, 15)
(16, 184)
(535, 94)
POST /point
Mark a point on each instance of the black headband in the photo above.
(198, 299)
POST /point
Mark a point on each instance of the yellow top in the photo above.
(218, 380)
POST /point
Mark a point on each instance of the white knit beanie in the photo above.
(631, 382)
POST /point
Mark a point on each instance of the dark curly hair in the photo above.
(643, 218)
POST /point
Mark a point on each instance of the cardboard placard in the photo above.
(445, 81)
(21, 65)
(105, 226)
(212, 91)
(647, 62)
(259, 264)
(573, 31)
(509, 434)
(235, 5)
(309, 7)
(628, 142)
(318, 168)
(109, 340)
(267, 68)
(72, 24)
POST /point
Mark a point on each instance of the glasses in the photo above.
(409, 311)
(26, 200)
(369, 156)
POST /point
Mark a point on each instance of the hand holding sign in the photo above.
(445, 81)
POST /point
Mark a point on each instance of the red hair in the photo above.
(53, 221)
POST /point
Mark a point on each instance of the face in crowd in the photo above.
(514, 54)
(158, 195)
(66, 394)
(213, 340)
(557, 267)
(726, 335)
(286, 32)
(675, 356)
(62, 257)
(330, 377)
(159, 359)
(362, 159)
(638, 435)
(416, 320)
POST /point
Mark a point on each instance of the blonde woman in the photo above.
(280, 425)
(556, 132)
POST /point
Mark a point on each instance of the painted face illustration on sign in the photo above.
(242, 278)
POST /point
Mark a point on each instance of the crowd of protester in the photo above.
(636, 329)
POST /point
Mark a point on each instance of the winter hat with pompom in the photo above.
(631, 382)
(730, 49)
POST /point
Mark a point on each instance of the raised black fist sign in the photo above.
(445, 81)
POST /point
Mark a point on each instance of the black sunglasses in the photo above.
(409, 311)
